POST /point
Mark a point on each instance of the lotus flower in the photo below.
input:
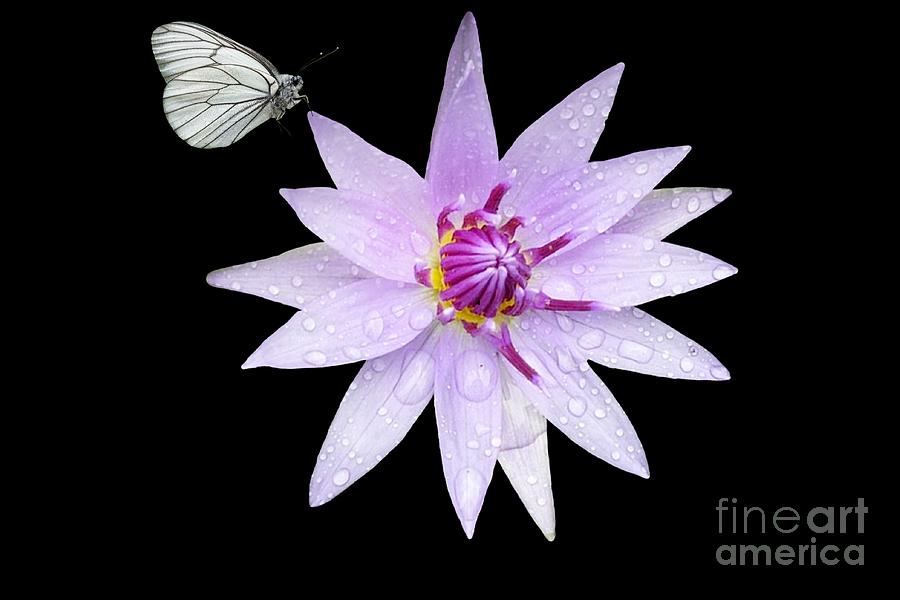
(488, 284)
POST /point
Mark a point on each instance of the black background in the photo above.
(222, 457)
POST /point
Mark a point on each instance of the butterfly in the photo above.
(218, 90)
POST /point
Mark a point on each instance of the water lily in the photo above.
(488, 284)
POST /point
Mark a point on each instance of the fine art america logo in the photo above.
(818, 536)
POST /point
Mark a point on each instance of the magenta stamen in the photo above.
(493, 201)
(509, 228)
(536, 255)
(443, 222)
(542, 301)
(505, 347)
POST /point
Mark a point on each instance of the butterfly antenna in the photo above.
(318, 58)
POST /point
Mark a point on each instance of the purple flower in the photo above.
(489, 284)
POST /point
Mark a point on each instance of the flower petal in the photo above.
(661, 212)
(368, 231)
(627, 270)
(593, 197)
(634, 341)
(524, 455)
(384, 400)
(576, 400)
(294, 278)
(562, 139)
(364, 320)
(468, 404)
(357, 166)
(463, 157)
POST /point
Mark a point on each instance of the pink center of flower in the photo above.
(482, 277)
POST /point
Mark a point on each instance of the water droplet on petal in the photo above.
(566, 113)
(620, 432)
(564, 322)
(341, 477)
(576, 407)
(469, 488)
(693, 204)
(722, 271)
(421, 318)
(686, 364)
(642, 168)
(634, 351)
(359, 246)
(273, 289)
(720, 372)
(309, 323)
(352, 353)
(418, 375)
(578, 269)
(648, 244)
(297, 281)
(564, 360)
(235, 285)
(588, 109)
(657, 280)
(574, 124)
(476, 375)
(600, 413)
(420, 244)
(532, 480)
(591, 339)
(397, 310)
(382, 411)
(315, 358)
(373, 326)
(665, 260)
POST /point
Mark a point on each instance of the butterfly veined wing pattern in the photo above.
(217, 90)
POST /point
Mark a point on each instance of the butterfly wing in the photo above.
(217, 90)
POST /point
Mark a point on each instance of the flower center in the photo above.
(482, 274)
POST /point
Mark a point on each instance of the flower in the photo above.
(488, 284)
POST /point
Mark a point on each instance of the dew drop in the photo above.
(273, 289)
(496, 441)
(588, 109)
(532, 480)
(397, 310)
(616, 455)
(686, 364)
(720, 372)
(416, 376)
(341, 477)
(297, 281)
(314, 357)
(642, 168)
(600, 413)
(564, 322)
(634, 351)
(722, 271)
(595, 93)
(476, 376)
(566, 113)
(574, 124)
(421, 318)
(330, 328)
(620, 432)
(382, 411)
(591, 339)
(309, 323)
(564, 360)
(576, 407)
(657, 280)
(693, 204)
(359, 246)
(420, 244)
(578, 269)
(472, 444)
(469, 487)
(665, 260)
(235, 285)
(352, 353)
(373, 326)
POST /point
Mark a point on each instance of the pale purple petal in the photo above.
(524, 455)
(592, 197)
(384, 400)
(463, 157)
(574, 399)
(355, 165)
(377, 236)
(295, 278)
(627, 270)
(561, 140)
(363, 320)
(468, 404)
(661, 212)
(635, 341)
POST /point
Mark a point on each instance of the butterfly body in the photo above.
(218, 90)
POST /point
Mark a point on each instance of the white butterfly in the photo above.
(217, 90)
